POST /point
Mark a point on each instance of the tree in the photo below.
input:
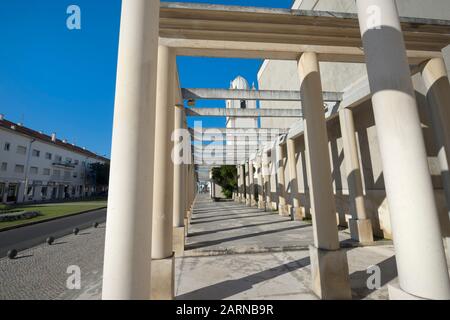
(226, 177)
(100, 173)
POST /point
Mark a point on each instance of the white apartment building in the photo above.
(37, 167)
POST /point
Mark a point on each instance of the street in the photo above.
(30, 236)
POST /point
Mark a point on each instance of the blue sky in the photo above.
(59, 80)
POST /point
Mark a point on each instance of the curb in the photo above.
(48, 220)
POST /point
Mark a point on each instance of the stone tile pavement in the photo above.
(233, 252)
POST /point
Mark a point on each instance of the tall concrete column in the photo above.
(187, 199)
(236, 193)
(260, 185)
(127, 260)
(247, 184)
(266, 175)
(272, 182)
(421, 263)
(251, 178)
(297, 212)
(163, 259)
(178, 191)
(329, 267)
(241, 184)
(434, 74)
(360, 224)
(283, 209)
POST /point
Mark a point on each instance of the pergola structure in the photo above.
(151, 197)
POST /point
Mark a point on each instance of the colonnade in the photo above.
(408, 182)
(151, 198)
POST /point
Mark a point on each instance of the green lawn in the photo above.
(50, 210)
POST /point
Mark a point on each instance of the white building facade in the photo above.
(240, 83)
(35, 167)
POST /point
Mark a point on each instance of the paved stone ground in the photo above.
(229, 227)
(264, 272)
(41, 272)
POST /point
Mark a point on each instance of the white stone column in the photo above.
(178, 191)
(163, 259)
(435, 77)
(241, 184)
(360, 224)
(127, 260)
(187, 199)
(297, 211)
(260, 185)
(421, 263)
(247, 184)
(238, 185)
(238, 170)
(272, 185)
(329, 267)
(283, 209)
(266, 175)
(251, 178)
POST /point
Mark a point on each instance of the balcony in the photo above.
(62, 164)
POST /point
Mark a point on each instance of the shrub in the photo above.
(226, 177)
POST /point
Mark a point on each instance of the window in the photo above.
(58, 158)
(75, 174)
(76, 162)
(33, 170)
(56, 173)
(243, 104)
(48, 156)
(4, 166)
(7, 146)
(21, 150)
(68, 160)
(19, 168)
(66, 174)
(46, 172)
(36, 153)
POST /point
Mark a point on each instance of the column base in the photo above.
(248, 202)
(329, 270)
(397, 293)
(261, 204)
(361, 230)
(179, 238)
(163, 279)
(283, 210)
(254, 203)
(297, 213)
(274, 206)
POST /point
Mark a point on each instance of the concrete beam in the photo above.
(270, 95)
(248, 32)
(244, 113)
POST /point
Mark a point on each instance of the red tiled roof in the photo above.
(46, 138)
